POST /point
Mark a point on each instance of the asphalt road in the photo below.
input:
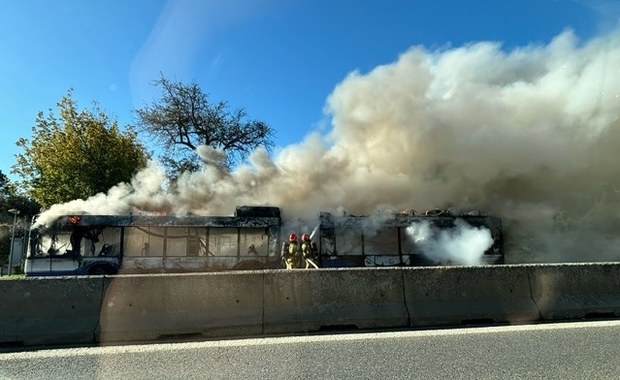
(589, 350)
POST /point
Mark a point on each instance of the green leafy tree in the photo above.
(5, 244)
(76, 154)
(11, 200)
(5, 239)
(183, 119)
(6, 187)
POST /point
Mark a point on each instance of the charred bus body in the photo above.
(251, 239)
(110, 244)
(384, 240)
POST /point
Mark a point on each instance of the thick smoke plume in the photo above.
(530, 135)
(462, 244)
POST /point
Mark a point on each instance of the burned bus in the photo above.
(391, 240)
(251, 239)
(110, 244)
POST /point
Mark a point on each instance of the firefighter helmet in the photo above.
(292, 237)
(305, 237)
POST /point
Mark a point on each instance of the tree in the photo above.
(76, 155)
(183, 119)
(6, 188)
(11, 200)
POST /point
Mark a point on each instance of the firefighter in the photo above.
(308, 251)
(292, 252)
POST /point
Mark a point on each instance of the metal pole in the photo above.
(14, 212)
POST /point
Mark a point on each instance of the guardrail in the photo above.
(102, 309)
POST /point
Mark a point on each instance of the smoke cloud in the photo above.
(530, 135)
(462, 244)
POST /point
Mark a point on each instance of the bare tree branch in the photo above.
(183, 119)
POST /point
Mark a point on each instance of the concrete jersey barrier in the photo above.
(462, 295)
(143, 307)
(314, 300)
(61, 310)
(575, 291)
(87, 310)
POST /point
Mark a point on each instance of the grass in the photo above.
(11, 277)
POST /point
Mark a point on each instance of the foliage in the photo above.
(76, 155)
(5, 244)
(11, 200)
(183, 119)
(6, 187)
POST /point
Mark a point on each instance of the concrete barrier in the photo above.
(573, 291)
(146, 307)
(125, 308)
(461, 295)
(311, 300)
(62, 310)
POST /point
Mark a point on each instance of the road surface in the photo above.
(588, 350)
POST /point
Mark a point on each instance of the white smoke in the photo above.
(145, 192)
(530, 135)
(463, 244)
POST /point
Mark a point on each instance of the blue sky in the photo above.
(280, 60)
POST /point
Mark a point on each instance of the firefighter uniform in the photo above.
(308, 251)
(292, 252)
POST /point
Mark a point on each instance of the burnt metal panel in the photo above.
(330, 223)
(273, 233)
(173, 221)
(327, 240)
(258, 211)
